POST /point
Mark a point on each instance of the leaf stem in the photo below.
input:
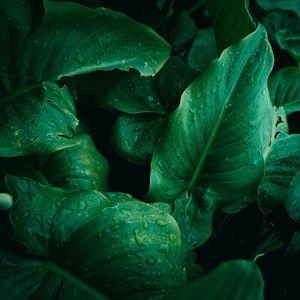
(52, 267)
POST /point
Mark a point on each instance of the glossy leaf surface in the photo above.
(230, 120)
(282, 165)
(236, 280)
(40, 121)
(80, 167)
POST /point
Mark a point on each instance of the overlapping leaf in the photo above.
(217, 137)
(231, 21)
(63, 46)
(236, 280)
(282, 165)
(83, 231)
(284, 28)
(284, 86)
(39, 121)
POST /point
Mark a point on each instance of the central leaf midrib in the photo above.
(210, 141)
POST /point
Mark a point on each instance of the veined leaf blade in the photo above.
(217, 138)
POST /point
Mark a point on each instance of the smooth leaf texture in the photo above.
(134, 137)
(134, 94)
(40, 121)
(182, 32)
(231, 21)
(282, 165)
(15, 25)
(102, 40)
(171, 81)
(234, 280)
(291, 5)
(284, 87)
(203, 50)
(284, 28)
(217, 138)
(27, 278)
(80, 167)
(292, 201)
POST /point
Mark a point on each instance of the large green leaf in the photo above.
(292, 5)
(39, 121)
(292, 201)
(284, 28)
(80, 167)
(284, 87)
(33, 213)
(217, 138)
(139, 246)
(102, 40)
(234, 280)
(108, 240)
(134, 137)
(231, 21)
(282, 165)
(203, 50)
(28, 278)
(15, 25)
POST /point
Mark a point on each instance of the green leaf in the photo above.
(134, 94)
(80, 167)
(284, 28)
(15, 25)
(21, 167)
(139, 246)
(171, 81)
(134, 137)
(39, 121)
(85, 232)
(194, 219)
(27, 278)
(217, 138)
(234, 280)
(203, 50)
(284, 87)
(282, 165)
(231, 21)
(180, 32)
(38, 205)
(294, 244)
(291, 5)
(292, 201)
(102, 40)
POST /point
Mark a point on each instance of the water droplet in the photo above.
(164, 248)
(25, 214)
(131, 86)
(82, 205)
(37, 218)
(173, 238)
(161, 223)
(151, 261)
(79, 58)
(152, 101)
